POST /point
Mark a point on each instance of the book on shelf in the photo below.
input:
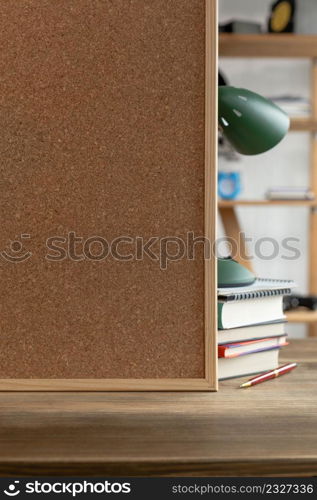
(248, 365)
(250, 346)
(252, 332)
(290, 193)
(261, 302)
(233, 314)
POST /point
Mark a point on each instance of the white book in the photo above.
(233, 314)
(261, 302)
(248, 365)
(254, 332)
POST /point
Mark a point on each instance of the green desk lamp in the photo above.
(253, 125)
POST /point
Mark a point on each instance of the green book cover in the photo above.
(220, 306)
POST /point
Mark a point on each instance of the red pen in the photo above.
(281, 370)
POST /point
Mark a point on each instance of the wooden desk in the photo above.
(267, 430)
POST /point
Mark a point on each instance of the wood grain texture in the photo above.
(112, 385)
(267, 430)
(105, 133)
(312, 278)
(234, 234)
(252, 203)
(268, 45)
(211, 180)
(301, 315)
(303, 124)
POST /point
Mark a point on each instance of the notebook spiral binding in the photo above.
(259, 294)
(278, 287)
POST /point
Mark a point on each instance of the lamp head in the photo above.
(251, 123)
(231, 274)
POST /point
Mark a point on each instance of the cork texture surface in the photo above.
(102, 134)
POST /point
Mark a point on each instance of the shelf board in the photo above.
(303, 124)
(301, 316)
(234, 203)
(267, 45)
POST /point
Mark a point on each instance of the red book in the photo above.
(251, 346)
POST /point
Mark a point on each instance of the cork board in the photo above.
(108, 111)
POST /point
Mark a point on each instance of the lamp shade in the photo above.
(231, 274)
(251, 123)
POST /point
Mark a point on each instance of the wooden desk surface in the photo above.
(269, 429)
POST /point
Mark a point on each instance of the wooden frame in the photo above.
(209, 382)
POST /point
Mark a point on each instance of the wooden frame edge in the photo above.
(210, 382)
(107, 385)
(211, 126)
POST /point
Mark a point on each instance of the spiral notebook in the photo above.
(260, 288)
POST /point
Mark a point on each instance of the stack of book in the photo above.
(251, 327)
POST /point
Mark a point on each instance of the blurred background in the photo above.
(288, 164)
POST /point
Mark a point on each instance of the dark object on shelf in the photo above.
(291, 302)
(225, 150)
(222, 80)
(282, 17)
(236, 26)
(224, 147)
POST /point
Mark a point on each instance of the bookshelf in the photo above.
(301, 316)
(295, 203)
(268, 45)
(281, 46)
(303, 125)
